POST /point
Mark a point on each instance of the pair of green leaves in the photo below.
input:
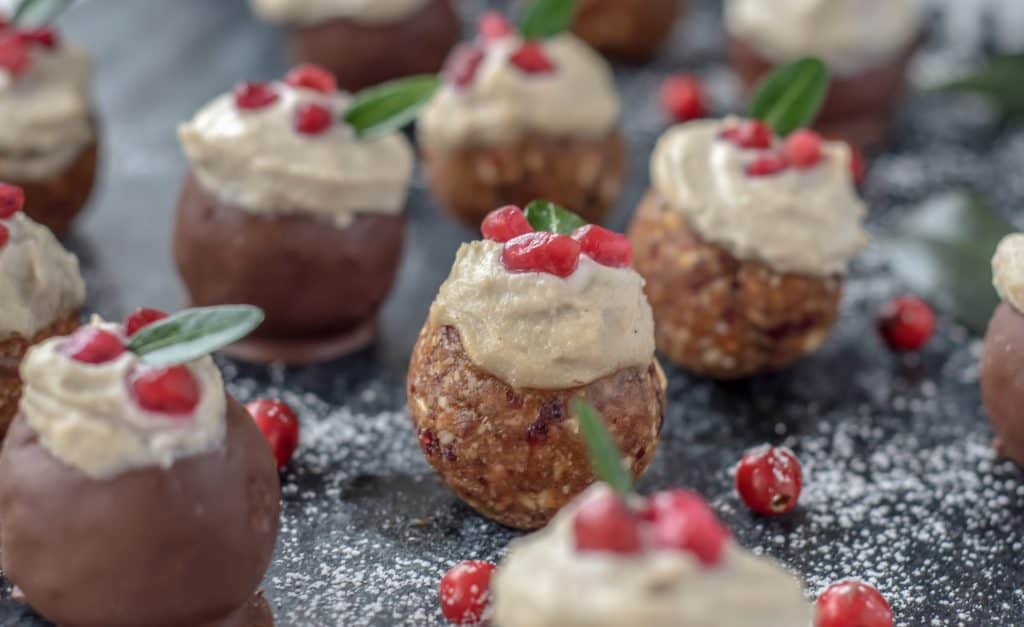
(544, 215)
(35, 13)
(193, 333)
(791, 96)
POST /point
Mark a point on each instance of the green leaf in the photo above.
(605, 456)
(791, 97)
(194, 333)
(943, 250)
(35, 13)
(546, 18)
(390, 106)
(544, 215)
(1001, 81)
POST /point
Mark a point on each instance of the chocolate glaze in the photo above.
(183, 547)
(1002, 381)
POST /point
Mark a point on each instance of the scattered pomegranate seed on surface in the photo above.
(141, 318)
(5, 235)
(93, 345)
(906, 323)
(803, 149)
(683, 521)
(605, 523)
(769, 480)
(461, 67)
(312, 118)
(541, 251)
(852, 603)
(532, 59)
(494, 25)
(12, 200)
(466, 592)
(753, 134)
(279, 425)
(767, 165)
(169, 390)
(682, 98)
(14, 57)
(309, 76)
(251, 96)
(606, 247)
(43, 36)
(505, 223)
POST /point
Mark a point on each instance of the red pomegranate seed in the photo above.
(279, 425)
(93, 345)
(461, 67)
(683, 521)
(803, 149)
(767, 165)
(682, 98)
(752, 134)
(309, 76)
(604, 523)
(312, 118)
(466, 591)
(852, 604)
(769, 480)
(141, 318)
(906, 323)
(12, 200)
(552, 253)
(45, 37)
(532, 59)
(505, 223)
(858, 165)
(606, 247)
(169, 390)
(14, 56)
(5, 235)
(493, 25)
(251, 96)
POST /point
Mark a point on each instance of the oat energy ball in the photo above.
(48, 134)
(365, 42)
(744, 241)
(520, 119)
(867, 44)
(286, 209)
(521, 328)
(630, 30)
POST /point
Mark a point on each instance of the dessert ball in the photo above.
(286, 209)
(48, 134)
(365, 42)
(744, 241)
(867, 45)
(518, 330)
(132, 494)
(662, 561)
(41, 291)
(520, 119)
(630, 30)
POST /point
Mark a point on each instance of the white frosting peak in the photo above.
(314, 11)
(801, 221)
(1008, 270)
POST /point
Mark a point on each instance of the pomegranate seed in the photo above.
(532, 59)
(279, 425)
(852, 604)
(752, 134)
(493, 25)
(93, 345)
(462, 65)
(170, 390)
(769, 480)
(604, 523)
(45, 37)
(312, 118)
(552, 253)
(503, 224)
(803, 149)
(12, 200)
(858, 165)
(466, 591)
(767, 165)
(5, 235)
(251, 96)
(683, 521)
(309, 76)
(906, 323)
(682, 98)
(14, 57)
(141, 318)
(606, 247)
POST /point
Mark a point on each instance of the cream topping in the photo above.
(536, 330)
(314, 11)
(545, 582)
(86, 417)
(46, 113)
(852, 36)
(802, 221)
(255, 159)
(502, 103)
(39, 280)
(1008, 270)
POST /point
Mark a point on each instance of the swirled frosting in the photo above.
(536, 330)
(86, 417)
(852, 36)
(314, 11)
(800, 221)
(256, 160)
(578, 98)
(39, 280)
(1008, 270)
(544, 582)
(45, 113)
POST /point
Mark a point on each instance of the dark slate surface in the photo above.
(902, 487)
